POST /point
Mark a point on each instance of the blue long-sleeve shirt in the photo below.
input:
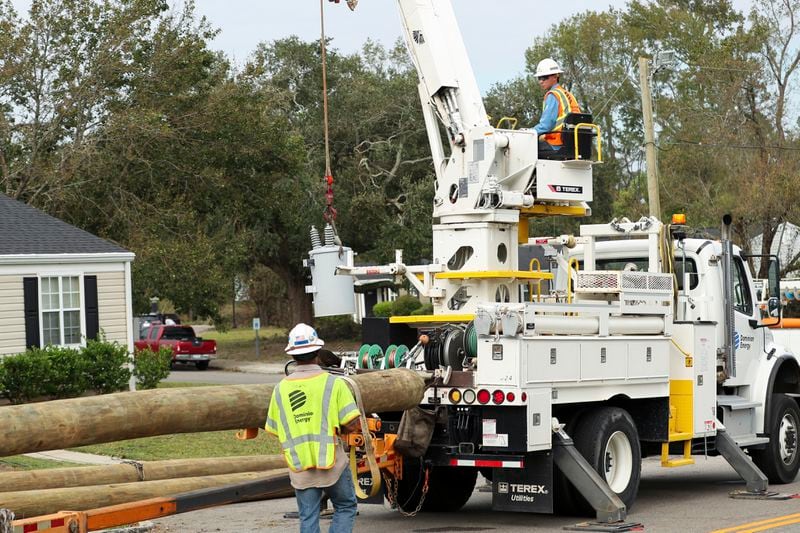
(549, 114)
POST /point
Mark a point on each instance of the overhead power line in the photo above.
(702, 144)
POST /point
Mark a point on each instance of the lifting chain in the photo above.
(391, 492)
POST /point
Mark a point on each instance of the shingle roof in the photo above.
(26, 230)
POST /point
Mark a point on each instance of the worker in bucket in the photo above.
(307, 412)
(558, 103)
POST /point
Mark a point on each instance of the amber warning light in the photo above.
(679, 219)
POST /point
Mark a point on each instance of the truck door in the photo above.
(749, 346)
(152, 339)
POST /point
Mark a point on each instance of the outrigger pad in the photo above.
(768, 495)
(600, 526)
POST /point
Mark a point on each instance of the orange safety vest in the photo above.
(566, 105)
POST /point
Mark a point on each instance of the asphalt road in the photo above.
(687, 499)
(188, 373)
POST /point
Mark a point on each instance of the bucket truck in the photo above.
(630, 339)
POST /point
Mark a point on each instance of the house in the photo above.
(59, 285)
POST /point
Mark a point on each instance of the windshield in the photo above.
(178, 334)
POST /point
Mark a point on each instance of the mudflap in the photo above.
(525, 490)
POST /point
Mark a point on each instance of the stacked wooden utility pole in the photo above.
(127, 415)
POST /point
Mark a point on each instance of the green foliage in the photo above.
(405, 305)
(61, 372)
(268, 291)
(151, 367)
(339, 327)
(25, 375)
(107, 362)
(67, 369)
(426, 309)
(382, 309)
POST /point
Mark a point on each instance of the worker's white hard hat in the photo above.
(303, 339)
(547, 67)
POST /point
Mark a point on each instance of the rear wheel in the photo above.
(780, 459)
(201, 365)
(449, 488)
(608, 440)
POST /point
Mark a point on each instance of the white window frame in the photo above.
(82, 309)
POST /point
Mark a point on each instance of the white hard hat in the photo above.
(547, 67)
(303, 339)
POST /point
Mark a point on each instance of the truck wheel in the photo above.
(780, 459)
(449, 488)
(608, 439)
(201, 365)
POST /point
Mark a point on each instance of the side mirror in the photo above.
(774, 307)
(774, 279)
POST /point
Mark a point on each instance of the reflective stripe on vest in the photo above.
(566, 105)
(299, 448)
(289, 451)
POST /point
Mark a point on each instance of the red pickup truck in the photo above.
(185, 345)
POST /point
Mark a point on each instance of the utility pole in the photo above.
(649, 139)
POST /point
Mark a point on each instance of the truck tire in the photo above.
(201, 365)
(780, 459)
(449, 488)
(608, 440)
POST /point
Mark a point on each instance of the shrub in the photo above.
(24, 375)
(68, 372)
(339, 327)
(426, 309)
(382, 309)
(151, 367)
(405, 305)
(107, 365)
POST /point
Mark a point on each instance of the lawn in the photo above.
(239, 344)
(23, 462)
(186, 445)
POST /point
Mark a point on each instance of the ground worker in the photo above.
(307, 412)
(557, 104)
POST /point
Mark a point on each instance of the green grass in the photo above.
(186, 446)
(269, 333)
(239, 344)
(23, 462)
(177, 385)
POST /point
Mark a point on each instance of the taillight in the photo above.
(469, 396)
(510, 397)
(524, 396)
(454, 395)
(483, 396)
(498, 396)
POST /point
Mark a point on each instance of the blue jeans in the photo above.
(342, 494)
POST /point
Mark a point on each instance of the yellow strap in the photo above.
(374, 471)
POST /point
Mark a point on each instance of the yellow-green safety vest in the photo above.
(305, 415)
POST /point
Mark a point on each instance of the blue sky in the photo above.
(496, 33)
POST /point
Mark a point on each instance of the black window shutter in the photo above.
(90, 301)
(30, 287)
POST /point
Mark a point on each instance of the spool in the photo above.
(471, 341)
(362, 356)
(400, 356)
(374, 357)
(452, 353)
(395, 356)
(390, 350)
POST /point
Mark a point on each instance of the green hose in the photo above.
(471, 341)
